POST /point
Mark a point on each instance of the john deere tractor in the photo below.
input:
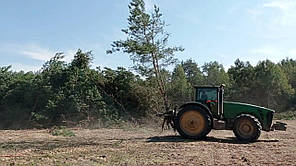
(209, 111)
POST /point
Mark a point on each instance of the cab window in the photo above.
(204, 94)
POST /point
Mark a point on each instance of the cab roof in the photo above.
(206, 86)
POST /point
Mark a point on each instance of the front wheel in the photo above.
(247, 128)
(193, 122)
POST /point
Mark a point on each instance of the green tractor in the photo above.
(209, 111)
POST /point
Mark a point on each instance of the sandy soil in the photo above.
(144, 146)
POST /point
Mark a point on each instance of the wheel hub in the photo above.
(192, 123)
(246, 128)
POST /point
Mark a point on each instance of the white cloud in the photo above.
(26, 53)
(284, 5)
(36, 52)
(286, 14)
(274, 19)
(275, 13)
(266, 51)
(274, 54)
(25, 67)
(69, 55)
(31, 51)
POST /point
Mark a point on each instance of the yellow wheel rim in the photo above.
(246, 128)
(192, 123)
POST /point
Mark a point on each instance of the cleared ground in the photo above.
(144, 146)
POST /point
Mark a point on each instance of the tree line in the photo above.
(60, 92)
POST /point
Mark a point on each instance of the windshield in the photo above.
(206, 94)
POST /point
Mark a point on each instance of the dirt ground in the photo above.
(144, 146)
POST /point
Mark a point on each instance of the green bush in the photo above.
(289, 115)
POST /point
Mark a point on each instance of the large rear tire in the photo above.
(193, 122)
(247, 128)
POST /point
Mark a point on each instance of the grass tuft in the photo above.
(62, 131)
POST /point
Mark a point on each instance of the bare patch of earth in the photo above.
(144, 146)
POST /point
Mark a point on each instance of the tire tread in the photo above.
(255, 121)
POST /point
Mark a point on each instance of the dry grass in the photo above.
(144, 146)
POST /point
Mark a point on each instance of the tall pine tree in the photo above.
(146, 44)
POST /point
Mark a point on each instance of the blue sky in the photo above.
(32, 31)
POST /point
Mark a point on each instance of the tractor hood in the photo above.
(234, 109)
(246, 106)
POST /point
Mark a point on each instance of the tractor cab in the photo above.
(211, 97)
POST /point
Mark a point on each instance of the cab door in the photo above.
(209, 97)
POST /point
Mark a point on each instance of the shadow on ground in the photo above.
(174, 138)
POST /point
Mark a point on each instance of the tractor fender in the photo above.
(199, 105)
